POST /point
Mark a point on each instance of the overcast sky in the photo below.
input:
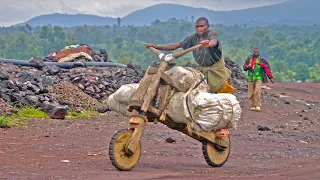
(16, 11)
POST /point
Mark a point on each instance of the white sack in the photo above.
(176, 109)
(214, 111)
(181, 78)
(125, 92)
(114, 105)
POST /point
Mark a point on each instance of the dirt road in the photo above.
(78, 149)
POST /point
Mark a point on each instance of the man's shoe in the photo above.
(253, 109)
(258, 108)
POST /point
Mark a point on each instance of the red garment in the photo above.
(266, 68)
(253, 63)
(263, 65)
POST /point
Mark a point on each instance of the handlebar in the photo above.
(175, 55)
(181, 53)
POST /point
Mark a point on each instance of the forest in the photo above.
(292, 51)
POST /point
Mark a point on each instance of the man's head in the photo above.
(256, 52)
(202, 25)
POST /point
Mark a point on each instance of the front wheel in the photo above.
(120, 159)
(214, 154)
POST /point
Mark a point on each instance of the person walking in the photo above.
(258, 72)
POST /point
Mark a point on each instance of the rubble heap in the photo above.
(51, 87)
(239, 79)
(77, 87)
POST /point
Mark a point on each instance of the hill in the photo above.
(69, 20)
(294, 12)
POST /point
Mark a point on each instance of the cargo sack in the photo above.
(213, 111)
(114, 105)
(175, 108)
(125, 92)
(119, 100)
(182, 78)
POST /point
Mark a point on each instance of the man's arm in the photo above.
(264, 63)
(211, 43)
(247, 64)
(168, 47)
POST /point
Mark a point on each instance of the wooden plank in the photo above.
(154, 111)
(143, 87)
(134, 104)
(138, 123)
(153, 86)
(137, 105)
(166, 79)
(152, 70)
(165, 101)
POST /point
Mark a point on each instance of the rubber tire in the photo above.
(117, 154)
(214, 155)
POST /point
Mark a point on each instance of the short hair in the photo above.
(203, 19)
(256, 49)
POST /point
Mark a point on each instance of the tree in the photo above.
(119, 21)
(301, 69)
(314, 73)
(155, 22)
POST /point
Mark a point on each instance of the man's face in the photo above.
(201, 27)
(256, 52)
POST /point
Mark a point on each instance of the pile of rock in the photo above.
(100, 56)
(50, 86)
(237, 75)
(69, 94)
(5, 108)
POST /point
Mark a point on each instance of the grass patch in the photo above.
(82, 115)
(3, 121)
(19, 118)
(30, 112)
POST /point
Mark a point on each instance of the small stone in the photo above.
(170, 140)
(263, 128)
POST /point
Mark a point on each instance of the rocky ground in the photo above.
(280, 142)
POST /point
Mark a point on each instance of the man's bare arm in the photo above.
(168, 47)
(207, 43)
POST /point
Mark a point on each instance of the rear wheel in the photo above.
(119, 157)
(214, 154)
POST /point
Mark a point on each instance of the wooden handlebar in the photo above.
(181, 53)
(156, 51)
(178, 54)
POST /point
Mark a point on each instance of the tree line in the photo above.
(293, 51)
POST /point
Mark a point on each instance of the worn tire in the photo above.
(117, 154)
(214, 154)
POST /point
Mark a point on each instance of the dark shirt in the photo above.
(204, 56)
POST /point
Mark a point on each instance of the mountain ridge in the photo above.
(294, 12)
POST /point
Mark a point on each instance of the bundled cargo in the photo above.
(119, 100)
(205, 111)
(190, 102)
(213, 111)
(182, 78)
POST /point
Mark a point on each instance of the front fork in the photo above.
(137, 123)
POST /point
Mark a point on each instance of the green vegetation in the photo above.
(20, 118)
(293, 51)
(82, 115)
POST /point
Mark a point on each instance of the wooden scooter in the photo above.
(148, 104)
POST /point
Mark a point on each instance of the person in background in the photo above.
(258, 72)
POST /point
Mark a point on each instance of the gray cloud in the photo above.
(16, 11)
